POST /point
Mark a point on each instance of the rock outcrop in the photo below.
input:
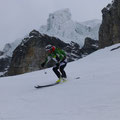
(1, 53)
(4, 64)
(89, 46)
(29, 55)
(109, 32)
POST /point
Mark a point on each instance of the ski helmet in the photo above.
(50, 48)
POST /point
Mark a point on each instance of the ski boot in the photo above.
(64, 79)
(59, 80)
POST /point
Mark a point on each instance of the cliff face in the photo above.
(29, 55)
(89, 46)
(109, 32)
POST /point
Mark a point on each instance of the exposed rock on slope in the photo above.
(109, 32)
(89, 46)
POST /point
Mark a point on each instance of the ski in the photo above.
(49, 85)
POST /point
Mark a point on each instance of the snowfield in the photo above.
(93, 96)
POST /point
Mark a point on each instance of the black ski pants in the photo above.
(59, 69)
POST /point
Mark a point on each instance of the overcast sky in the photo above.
(19, 17)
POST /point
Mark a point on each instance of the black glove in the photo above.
(43, 64)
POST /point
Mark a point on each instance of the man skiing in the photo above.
(59, 57)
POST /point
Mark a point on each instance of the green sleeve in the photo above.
(62, 54)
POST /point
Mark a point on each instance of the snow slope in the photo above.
(95, 96)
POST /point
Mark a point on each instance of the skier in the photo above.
(59, 57)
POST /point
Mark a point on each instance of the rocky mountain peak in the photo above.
(58, 18)
(60, 25)
(109, 32)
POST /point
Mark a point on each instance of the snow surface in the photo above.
(95, 96)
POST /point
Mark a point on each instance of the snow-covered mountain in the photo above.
(61, 25)
(91, 23)
(95, 96)
(10, 47)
